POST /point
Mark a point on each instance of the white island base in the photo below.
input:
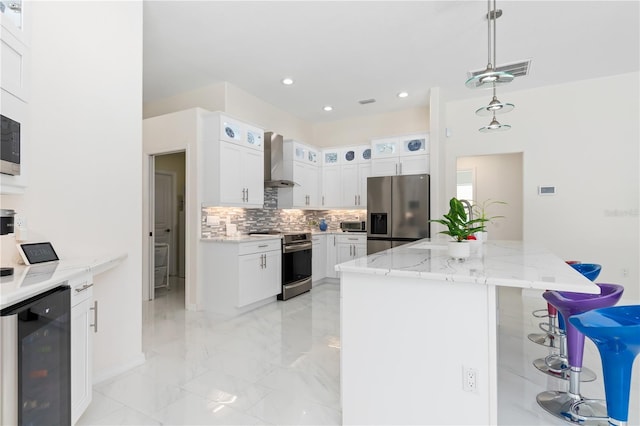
(415, 325)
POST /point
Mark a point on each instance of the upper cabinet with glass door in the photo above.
(416, 144)
(331, 157)
(12, 17)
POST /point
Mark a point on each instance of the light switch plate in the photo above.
(546, 190)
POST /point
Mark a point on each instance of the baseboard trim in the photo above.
(134, 362)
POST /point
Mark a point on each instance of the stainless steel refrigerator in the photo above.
(397, 211)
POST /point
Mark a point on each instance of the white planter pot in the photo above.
(459, 249)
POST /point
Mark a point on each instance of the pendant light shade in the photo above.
(495, 107)
(490, 77)
(495, 126)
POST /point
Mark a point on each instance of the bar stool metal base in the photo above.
(545, 339)
(559, 368)
(587, 412)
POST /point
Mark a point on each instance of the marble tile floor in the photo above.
(280, 365)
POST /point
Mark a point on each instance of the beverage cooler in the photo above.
(36, 360)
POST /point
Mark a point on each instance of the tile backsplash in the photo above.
(270, 217)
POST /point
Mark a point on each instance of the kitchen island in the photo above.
(419, 329)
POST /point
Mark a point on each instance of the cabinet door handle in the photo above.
(359, 201)
(323, 200)
(400, 168)
(95, 316)
(396, 168)
(265, 261)
(355, 251)
(83, 288)
(350, 250)
(247, 195)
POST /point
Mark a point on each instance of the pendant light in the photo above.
(495, 106)
(490, 76)
(494, 126)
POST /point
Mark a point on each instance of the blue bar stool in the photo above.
(616, 333)
(571, 406)
(557, 365)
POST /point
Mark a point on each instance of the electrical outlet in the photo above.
(20, 222)
(469, 379)
(625, 272)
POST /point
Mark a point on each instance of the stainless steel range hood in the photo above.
(273, 158)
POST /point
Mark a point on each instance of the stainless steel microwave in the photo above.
(355, 226)
(10, 148)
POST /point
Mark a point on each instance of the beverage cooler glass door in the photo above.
(36, 360)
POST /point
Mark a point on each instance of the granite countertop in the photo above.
(500, 263)
(28, 281)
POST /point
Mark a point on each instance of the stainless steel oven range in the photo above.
(296, 264)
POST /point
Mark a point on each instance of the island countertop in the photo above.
(498, 263)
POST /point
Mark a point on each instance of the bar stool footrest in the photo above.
(586, 375)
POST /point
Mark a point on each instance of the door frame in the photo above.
(149, 214)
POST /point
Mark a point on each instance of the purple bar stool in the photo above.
(616, 333)
(557, 365)
(571, 406)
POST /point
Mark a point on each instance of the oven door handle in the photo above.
(296, 247)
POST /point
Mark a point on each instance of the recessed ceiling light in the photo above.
(403, 94)
(327, 108)
(287, 81)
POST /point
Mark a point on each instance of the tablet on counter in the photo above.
(34, 253)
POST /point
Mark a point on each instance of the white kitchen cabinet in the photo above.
(239, 276)
(259, 276)
(350, 246)
(331, 256)
(401, 155)
(300, 165)
(232, 163)
(332, 183)
(319, 257)
(354, 185)
(83, 318)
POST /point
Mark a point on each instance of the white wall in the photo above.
(360, 130)
(498, 178)
(212, 98)
(249, 108)
(237, 103)
(85, 156)
(582, 137)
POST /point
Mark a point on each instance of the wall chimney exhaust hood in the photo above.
(273, 158)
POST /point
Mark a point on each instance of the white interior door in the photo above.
(164, 228)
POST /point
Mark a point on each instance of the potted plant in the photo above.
(460, 228)
(480, 210)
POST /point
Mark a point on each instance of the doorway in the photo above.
(487, 178)
(167, 204)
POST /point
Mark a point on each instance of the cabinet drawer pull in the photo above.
(263, 245)
(83, 288)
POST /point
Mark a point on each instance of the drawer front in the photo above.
(350, 238)
(259, 246)
(81, 288)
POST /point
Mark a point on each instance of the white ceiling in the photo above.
(340, 52)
